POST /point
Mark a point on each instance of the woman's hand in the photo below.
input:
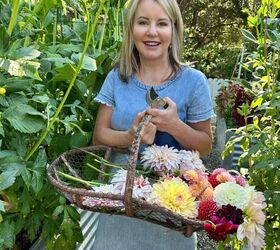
(164, 119)
(148, 135)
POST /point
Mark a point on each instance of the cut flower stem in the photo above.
(70, 177)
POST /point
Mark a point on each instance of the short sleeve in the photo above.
(106, 93)
(201, 107)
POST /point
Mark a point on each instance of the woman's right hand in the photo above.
(148, 135)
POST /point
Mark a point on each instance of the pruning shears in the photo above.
(154, 100)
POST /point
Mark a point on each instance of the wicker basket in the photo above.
(72, 162)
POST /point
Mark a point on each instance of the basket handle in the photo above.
(132, 164)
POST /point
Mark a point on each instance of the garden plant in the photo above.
(260, 140)
(54, 56)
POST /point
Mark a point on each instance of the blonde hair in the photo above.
(129, 61)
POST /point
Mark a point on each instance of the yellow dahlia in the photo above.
(175, 195)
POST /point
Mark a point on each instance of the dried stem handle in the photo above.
(132, 164)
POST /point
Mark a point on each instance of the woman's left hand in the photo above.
(164, 119)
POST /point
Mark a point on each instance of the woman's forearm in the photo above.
(192, 139)
(113, 138)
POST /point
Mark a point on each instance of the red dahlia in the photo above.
(206, 210)
(212, 179)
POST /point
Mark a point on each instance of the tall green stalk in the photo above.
(90, 33)
(103, 27)
(55, 26)
(13, 17)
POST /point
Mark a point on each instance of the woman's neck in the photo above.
(154, 74)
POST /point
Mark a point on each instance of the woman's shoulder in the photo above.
(192, 73)
(113, 73)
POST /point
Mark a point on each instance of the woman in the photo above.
(150, 57)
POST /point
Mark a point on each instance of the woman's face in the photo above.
(152, 31)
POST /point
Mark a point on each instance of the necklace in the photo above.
(164, 78)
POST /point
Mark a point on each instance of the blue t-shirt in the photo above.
(188, 89)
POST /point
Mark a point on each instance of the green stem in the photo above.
(55, 26)
(70, 177)
(107, 163)
(13, 17)
(103, 27)
(98, 170)
(77, 70)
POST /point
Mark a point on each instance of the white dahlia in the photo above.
(230, 193)
(106, 189)
(253, 233)
(119, 179)
(160, 158)
(190, 160)
(141, 188)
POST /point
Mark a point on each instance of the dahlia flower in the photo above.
(198, 184)
(225, 177)
(141, 188)
(160, 158)
(253, 233)
(240, 180)
(252, 229)
(190, 160)
(255, 198)
(230, 193)
(225, 221)
(219, 171)
(206, 209)
(220, 230)
(175, 195)
(119, 179)
(106, 189)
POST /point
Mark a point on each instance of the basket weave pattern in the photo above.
(72, 162)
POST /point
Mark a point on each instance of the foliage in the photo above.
(233, 105)
(261, 139)
(212, 39)
(54, 56)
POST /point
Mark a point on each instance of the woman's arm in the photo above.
(195, 136)
(104, 134)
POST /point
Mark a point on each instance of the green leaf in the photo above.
(88, 62)
(7, 154)
(24, 118)
(13, 85)
(64, 73)
(21, 68)
(38, 171)
(249, 36)
(25, 53)
(58, 210)
(7, 232)
(252, 21)
(4, 39)
(26, 176)
(2, 132)
(59, 60)
(7, 179)
(257, 102)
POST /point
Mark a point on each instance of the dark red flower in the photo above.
(213, 181)
(225, 221)
(230, 213)
(221, 230)
(206, 209)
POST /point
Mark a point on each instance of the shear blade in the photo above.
(153, 99)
